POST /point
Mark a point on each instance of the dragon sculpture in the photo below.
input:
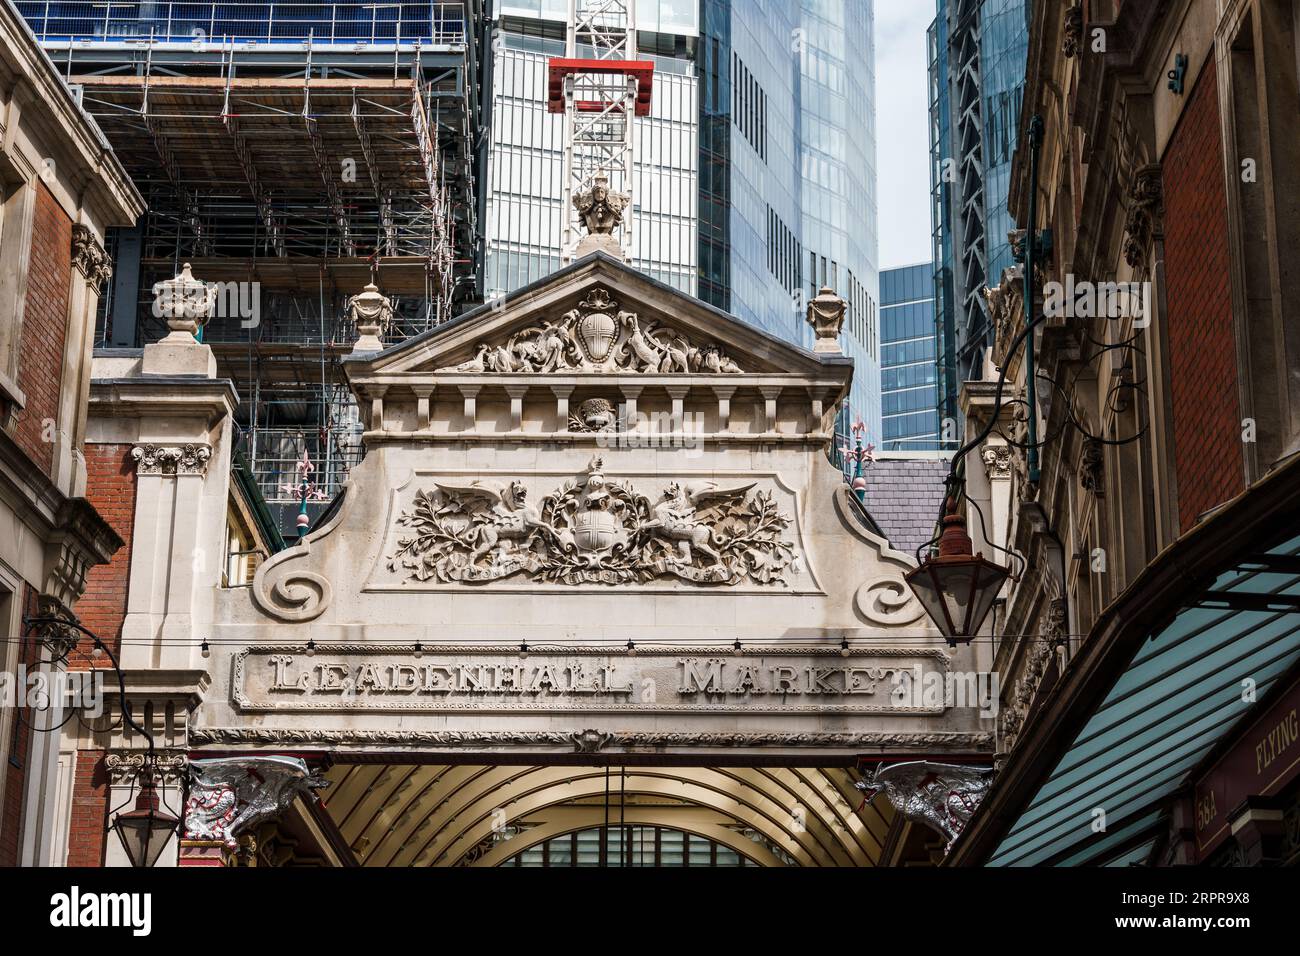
(943, 796)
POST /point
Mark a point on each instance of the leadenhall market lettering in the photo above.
(367, 678)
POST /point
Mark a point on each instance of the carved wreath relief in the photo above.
(594, 530)
(597, 337)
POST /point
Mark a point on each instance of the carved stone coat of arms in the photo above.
(594, 529)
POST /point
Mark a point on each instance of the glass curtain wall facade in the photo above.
(755, 178)
(908, 371)
(788, 187)
(977, 55)
(526, 163)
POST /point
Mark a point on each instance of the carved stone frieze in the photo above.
(594, 530)
(188, 459)
(597, 337)
(1038, 657)
(471, 738)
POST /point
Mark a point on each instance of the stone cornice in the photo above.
(92, 161)
(170, 397)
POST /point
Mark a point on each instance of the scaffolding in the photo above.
(294, 153)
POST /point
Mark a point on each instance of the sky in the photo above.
(902, 131)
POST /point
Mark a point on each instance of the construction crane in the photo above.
(600, 87)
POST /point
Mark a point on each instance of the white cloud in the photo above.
(902, 131)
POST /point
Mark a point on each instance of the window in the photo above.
(17, 207)
(749, 111)
(643, 846)
(780, 246)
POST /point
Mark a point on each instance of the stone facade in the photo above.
(506, 579)
(595, 519)
(1169, 405)
(61, 189)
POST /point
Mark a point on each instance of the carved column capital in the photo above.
(1144, 220)
(188, 459)
(997, 461)
(58, 635)
(1092, 467)
(1072, 32)
(124, 766)
(89, 257)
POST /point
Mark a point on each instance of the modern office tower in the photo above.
(754, 174)
(977, 52)
(292, 153)
(908, 372)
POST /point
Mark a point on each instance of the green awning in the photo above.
(1185, 688)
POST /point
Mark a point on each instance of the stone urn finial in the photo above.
(371, 311)
(826, 316)
(185, 302)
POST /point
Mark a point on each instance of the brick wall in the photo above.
(110, 487)
(1202, 348)
(86, 825)
(45, 327)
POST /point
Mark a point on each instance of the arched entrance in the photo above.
(484, 815)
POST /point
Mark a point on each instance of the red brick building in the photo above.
(1152, 631)
(60, 187)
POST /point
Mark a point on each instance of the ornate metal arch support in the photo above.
(229, 796)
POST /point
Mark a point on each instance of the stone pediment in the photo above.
(597, 504)
(596, 317)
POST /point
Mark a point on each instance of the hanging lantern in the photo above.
(145, 831)
(956, 588)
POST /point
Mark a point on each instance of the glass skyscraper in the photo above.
(754, 175)
(908, 371)
(977, 55)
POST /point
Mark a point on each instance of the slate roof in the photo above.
(904, 496)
